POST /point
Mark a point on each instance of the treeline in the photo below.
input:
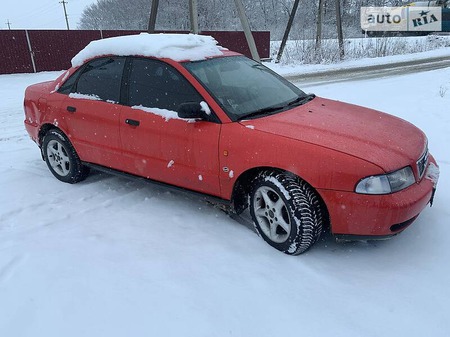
(269, 15)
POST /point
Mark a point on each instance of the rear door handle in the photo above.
(132, 122)
(71, 109)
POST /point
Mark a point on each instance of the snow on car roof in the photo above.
(178, 47)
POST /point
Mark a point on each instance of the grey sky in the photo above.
(41, 14)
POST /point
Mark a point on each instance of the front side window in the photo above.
(244, 87)
(102, 78)
(155, 84)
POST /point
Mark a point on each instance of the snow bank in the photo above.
(178, 47)
(297, 65)
(304, 51)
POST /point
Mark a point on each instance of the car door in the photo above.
(91, 111)
(155, 142)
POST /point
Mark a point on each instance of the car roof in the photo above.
(178, 47)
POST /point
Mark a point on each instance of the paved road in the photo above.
(368, 72)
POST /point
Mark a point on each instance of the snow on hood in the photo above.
(178, 47)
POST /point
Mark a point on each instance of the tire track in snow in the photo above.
(8, 270)
(369, 72)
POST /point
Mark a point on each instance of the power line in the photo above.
(42, 11)
(8, 24)
(44, 17)
(49, 12)
(63, 2)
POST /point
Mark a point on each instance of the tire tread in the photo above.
(305, 207)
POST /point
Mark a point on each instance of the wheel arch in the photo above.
(243, 184)
(73, 169)
(44, 129)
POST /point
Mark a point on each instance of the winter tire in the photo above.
(62, 159)
(286, 211)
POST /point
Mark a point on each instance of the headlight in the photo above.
(387, 183)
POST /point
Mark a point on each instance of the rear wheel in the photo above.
(62, 159)
(286, 211)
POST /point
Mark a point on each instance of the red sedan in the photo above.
(179, 110)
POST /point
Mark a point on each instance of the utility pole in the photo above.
(152, 19)
(63, 2)
(193, 14)
(247, 31)
(8, 24)
(288, 30)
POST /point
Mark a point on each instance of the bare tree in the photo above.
(222, 15)
(319, 24)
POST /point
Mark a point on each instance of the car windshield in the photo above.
(245, 88)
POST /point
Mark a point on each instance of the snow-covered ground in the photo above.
(357, 48)
(112, 257)
(296, 68)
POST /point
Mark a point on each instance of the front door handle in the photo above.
(71, 109)
(132, 122)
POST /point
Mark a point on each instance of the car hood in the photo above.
(384, 140)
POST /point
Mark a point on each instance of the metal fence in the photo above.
(27, 51)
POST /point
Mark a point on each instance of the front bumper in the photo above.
(378, 215)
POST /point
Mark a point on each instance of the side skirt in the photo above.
(223, 204)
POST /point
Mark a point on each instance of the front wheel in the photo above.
(62, 159)
(286, 211)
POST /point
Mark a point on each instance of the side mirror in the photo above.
(190, 110)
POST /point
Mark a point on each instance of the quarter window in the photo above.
(66, 88)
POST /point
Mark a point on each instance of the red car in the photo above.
(179, 110)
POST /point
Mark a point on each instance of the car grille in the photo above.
(422, 163)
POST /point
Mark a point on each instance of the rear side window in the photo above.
(154, 84)
(102, 78)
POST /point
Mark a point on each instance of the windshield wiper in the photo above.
(267, 111)
(302, 100)
(262, 112)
